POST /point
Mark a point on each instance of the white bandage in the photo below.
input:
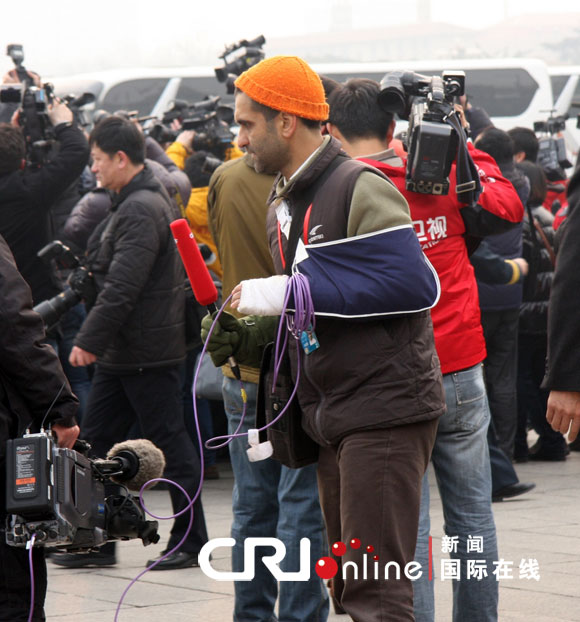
(263, 296)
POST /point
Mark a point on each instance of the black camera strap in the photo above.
(468, 186)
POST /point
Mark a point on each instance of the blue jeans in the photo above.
(78, 377)
(461, 461)
(271, 500)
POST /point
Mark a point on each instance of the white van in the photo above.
(514, 91)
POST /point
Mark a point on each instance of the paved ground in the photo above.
(542, 525)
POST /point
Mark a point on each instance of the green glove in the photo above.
(243, 339)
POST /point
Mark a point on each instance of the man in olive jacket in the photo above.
(135, 330)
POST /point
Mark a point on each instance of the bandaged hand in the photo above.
(260, 296)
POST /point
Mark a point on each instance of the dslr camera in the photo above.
(432, 137)
(32, 102)
(230, 70)
(58, 495)
(80, 284)
(552, 156)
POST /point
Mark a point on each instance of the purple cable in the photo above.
(189, 507)
(228, 437)
(303, 319)
(31, 567)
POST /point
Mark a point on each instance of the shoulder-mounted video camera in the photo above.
(58, 495)
(208, 118)
(32, 102)
(434, 132)
(77, 104)
(552, 156)
(252, 55)
(80, 284)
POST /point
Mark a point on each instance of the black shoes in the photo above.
(574, 445)
(539, 453)
(513, 490)
(105, 556)
(179, 559)
(84, 560)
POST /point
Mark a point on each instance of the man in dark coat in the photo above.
(563, 367)
(28, 192)
(135, 330)
(31, 380)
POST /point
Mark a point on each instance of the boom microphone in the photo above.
(202, 284)
(133, 463)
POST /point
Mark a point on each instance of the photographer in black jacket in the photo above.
(28, 192)
(31, 378)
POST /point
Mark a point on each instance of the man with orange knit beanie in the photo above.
(370, 385)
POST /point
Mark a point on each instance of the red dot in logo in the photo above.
(339, 548)
(355, 543)
(376, 558)
(370, 548)
(326, 567)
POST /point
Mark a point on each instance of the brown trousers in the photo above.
(370, 490)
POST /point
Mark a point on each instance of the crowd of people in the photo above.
(441, 333)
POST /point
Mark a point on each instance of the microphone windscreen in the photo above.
(202, 284)
(151, 462)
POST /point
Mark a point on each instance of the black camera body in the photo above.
(252, 55)
(431, 142)
(80, 284)
(552, 156)
(208, 118)
(33, 101)
(58, 496)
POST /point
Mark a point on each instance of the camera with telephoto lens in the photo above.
(80, 284)
(208, 118)
(252, 55)
(58, 495)
(432, 138)
(552, 156)
(33, 112)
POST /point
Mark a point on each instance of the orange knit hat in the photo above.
(288, 84)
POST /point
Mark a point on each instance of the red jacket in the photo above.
(441, 224)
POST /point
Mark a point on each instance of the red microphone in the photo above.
(204, 288)
(202, 284)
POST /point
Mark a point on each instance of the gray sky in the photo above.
(107, 31)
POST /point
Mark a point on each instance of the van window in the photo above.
(193, 90)
(501, 92)
(64, 87)
(558, 83)
(139, 95)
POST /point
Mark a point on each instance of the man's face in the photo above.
(106, 168)
(259, 137)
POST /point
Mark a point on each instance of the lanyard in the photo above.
(305, 227)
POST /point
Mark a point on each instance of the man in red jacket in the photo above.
(460, 455)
